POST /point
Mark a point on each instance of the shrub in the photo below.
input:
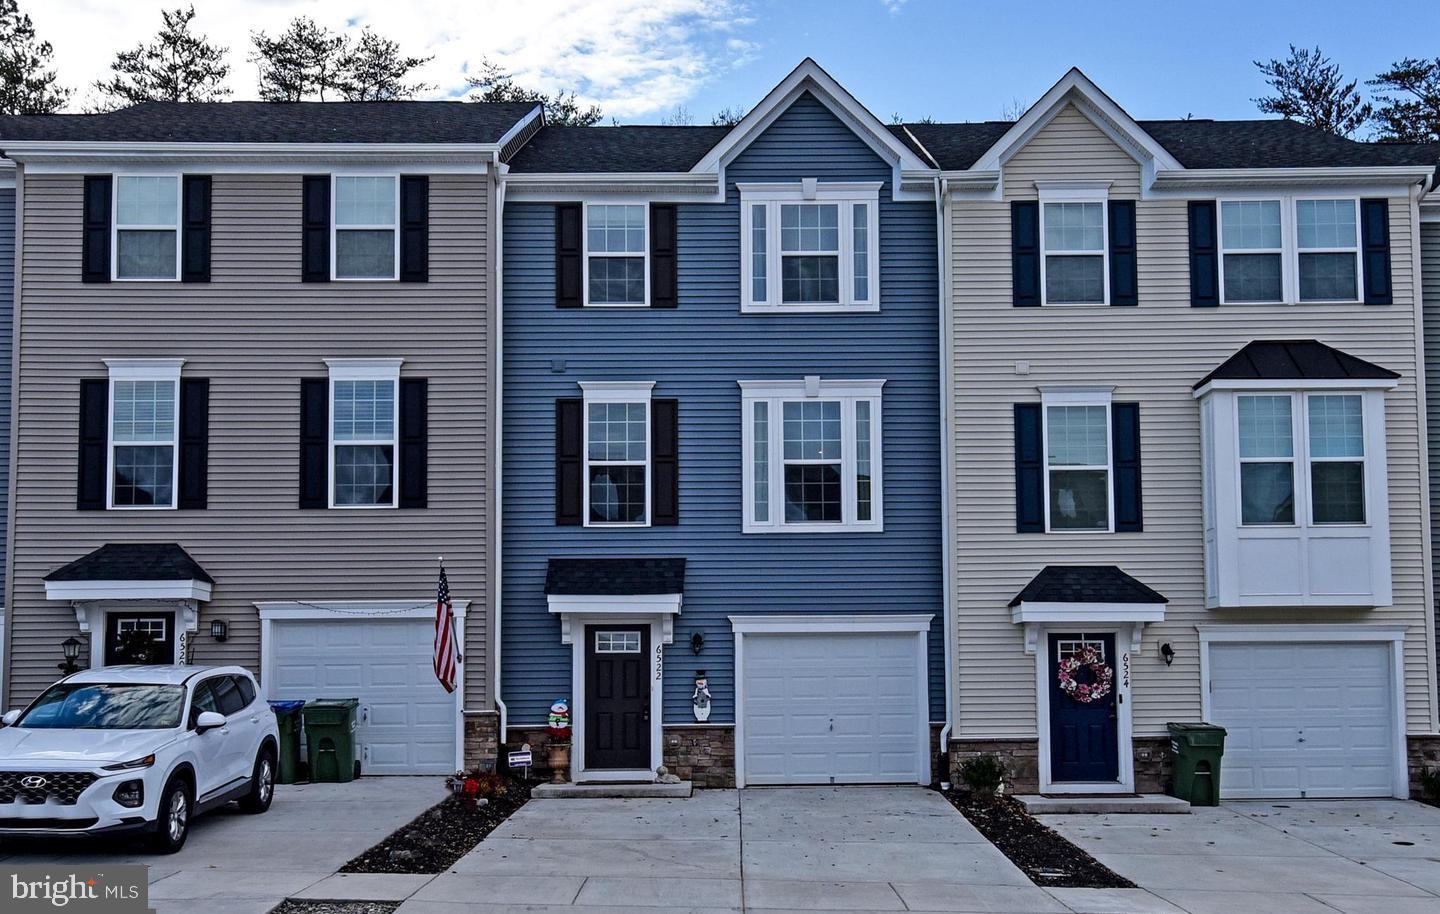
(983, 773)
(1430, 784)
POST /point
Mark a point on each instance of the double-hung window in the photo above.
(366, 227)
(364, 418)
(1287, 440)
(1290, 249)
(811, 246)
(147, 227)
(616, 254)
(1078, 463)
(144, 425)
(617, 453)
(812, 455)
(1073, 235)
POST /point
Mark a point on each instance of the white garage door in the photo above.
(833, 709)
(407, 720)
(1304, 720)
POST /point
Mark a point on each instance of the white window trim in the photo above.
(116, 227)
(1077, 192)
(1079, 396)
(336, 228)
(616, 392)
(777, 393)
(809, 190)
(1289, 249)
(362, 370)
(1301, 460)
(586, 254)
(141, 370)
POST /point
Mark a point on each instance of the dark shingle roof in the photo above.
(275, 122)
(615, 576)
(1085, 584)
(1294, 360)
(133, 562)
(616, 149)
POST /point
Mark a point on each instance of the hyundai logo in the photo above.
(33, 782)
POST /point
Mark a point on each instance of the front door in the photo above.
(617, 697)
(1084, 732)
(142, 637)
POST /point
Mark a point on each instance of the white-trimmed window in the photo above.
(617, 453)
(617, 251)
(812, 455)
(1289, 249)
(365, 227)
(810, 246)
(146, 227)
(1073, 242)
(144, 427)
(1301, 456)
(617, 642)
(364, 424)
(1079, 463)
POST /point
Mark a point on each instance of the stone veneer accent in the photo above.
(1153, 763)
(1424, 752)
(482, 740)
(704, 755)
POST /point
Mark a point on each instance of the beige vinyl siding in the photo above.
(255, 331)
(1152, 354)
(1430, 299)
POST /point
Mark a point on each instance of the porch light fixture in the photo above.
(219, 630)
(70, 647)
(1167, 653)
(697, 642)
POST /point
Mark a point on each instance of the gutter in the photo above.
(497, 522)
(947, 526)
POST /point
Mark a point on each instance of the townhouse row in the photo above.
(812, 450)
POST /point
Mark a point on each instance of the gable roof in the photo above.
(1295, 360)
(133, 562)
(557, 150)
(401, 122)
(1085, 584)
(614, 577)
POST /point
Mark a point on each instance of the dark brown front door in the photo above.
(617, 696)
(139, 638)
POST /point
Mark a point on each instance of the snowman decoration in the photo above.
(559, 720)
(701, 699)
(559, 749)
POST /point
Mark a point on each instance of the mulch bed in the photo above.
(300, 906)
(441, 835)
(1041, 853)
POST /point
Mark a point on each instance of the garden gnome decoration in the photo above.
(701, 699)
(559, 749)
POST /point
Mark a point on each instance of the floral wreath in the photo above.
(1084, 693)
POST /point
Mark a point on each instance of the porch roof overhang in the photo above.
(609, 586)
(131, 571)
(1086, 594)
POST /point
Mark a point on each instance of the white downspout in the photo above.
(497, 522)
(947, 463)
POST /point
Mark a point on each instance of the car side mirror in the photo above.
(10, 717)
(208, 720)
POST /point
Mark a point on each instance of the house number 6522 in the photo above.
(659, 662)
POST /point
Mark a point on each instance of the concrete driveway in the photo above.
(239, 864)
(1271, 857)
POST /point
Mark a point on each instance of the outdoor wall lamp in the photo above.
(1167, 653)
(219, 630)
(697, 641)
(70, 647)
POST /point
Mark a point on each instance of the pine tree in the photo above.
(375, 70)
(305, 61)
(178, 66)
(563, 109)
(27, 83)
(1410, 108)
(1309, 88)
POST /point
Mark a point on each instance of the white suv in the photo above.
(136, 748)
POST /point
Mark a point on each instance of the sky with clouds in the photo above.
(946, 59)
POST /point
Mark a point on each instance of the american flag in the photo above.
(445, 653)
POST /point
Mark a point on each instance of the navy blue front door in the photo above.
(1083, 737)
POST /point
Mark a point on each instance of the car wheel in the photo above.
(172, 826)
(262, 783)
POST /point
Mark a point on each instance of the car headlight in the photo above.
(145, 762)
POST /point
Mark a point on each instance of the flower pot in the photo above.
(559, 757)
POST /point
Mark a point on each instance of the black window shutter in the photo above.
(414, 445)
(1375, 250)
(1029, 469)
(314, 443)
(665, 462)
(1125, 440)
(664, 281)
(1025, 252)
(1124, 282)
(90, 467)
(195, 232)
(194, 442)
(569, 461)
(315, 241)
(568, 273)
(1204, 255)
(414, 230)
(95, 254)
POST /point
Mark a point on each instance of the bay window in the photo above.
(811, 246)
(1323, 436)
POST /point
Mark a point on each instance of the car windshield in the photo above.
(105, 706)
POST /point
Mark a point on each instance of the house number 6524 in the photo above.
(659, 661)
(1125, 669)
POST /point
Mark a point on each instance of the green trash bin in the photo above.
(287, 716)
(1197, 749)
(330, 739)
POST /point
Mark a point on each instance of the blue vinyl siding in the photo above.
(696, 354)
(7, 333)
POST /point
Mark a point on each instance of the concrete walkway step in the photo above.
(1148, 803)
(678, 791)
